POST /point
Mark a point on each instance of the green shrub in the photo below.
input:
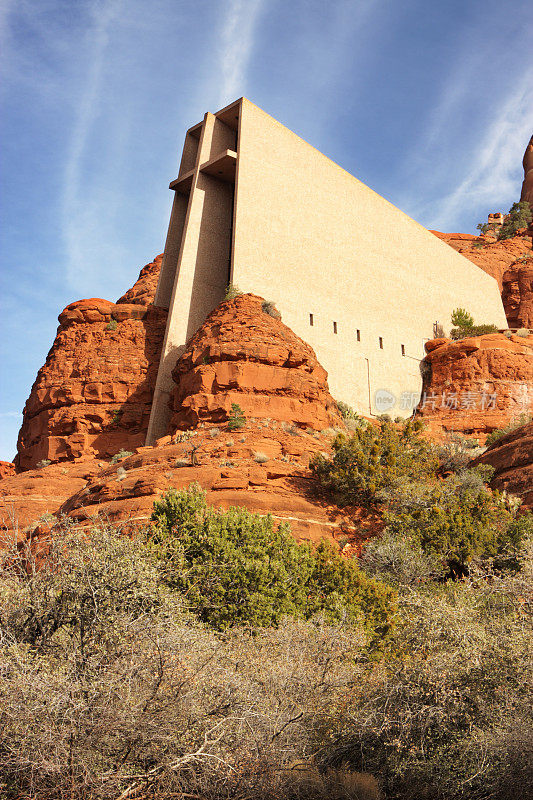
(371, 463)
(84, 579)
(110, 689)
(231, 292)
(345, 410)
(522, 332)
(112, 325)
(261, 458)
(44, 462)
(460, 520)
(462, 319)
(516, 423)
(351, 418)
(120, 456)
(236, 418)
(235, 567)
(400, 561)
(457, 451)
(464, 326)
(475, 330)
(519, 217)
(486, 227)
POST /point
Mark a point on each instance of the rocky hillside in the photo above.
(241, 355)
(245, 355)
(94, 392)
(509, 261)
(92, 399)
(512, 458)
(474, 386)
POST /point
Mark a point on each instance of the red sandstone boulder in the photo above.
(7, 468)
(512, 458)
(432, 344)
(92, 310)
(517, 294)
(93, 395)
(245, 356)
(478, 384)
(143, 290)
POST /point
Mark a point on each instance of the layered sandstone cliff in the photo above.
(243, 355)
(92, 397)
(527, 186)
(478, 384)
(517, 293)
(512, 458)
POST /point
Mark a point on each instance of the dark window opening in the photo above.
(381, 343)
(403, 349)
(311, 320)
(334, 327)
(358, 335)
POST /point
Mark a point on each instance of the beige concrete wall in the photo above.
(314, 239)
(167, 276)
(201, 273)
(190, 153)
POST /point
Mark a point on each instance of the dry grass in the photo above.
(110, 689)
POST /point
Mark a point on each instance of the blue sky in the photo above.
(428, 103)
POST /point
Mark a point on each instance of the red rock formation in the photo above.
(512, 457)
(491, 256)
(93, 395)
(241, 354)
(27, 497)
(476, 385)
(226, 465)
(245, 356)
(517, 294)
(6, 468)
(527, 186)
(143, 290)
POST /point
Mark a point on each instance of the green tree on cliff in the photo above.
(519, 217)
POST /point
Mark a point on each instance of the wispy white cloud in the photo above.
(237, 41)
(76, 210)
(467, 149)
(492, 175)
